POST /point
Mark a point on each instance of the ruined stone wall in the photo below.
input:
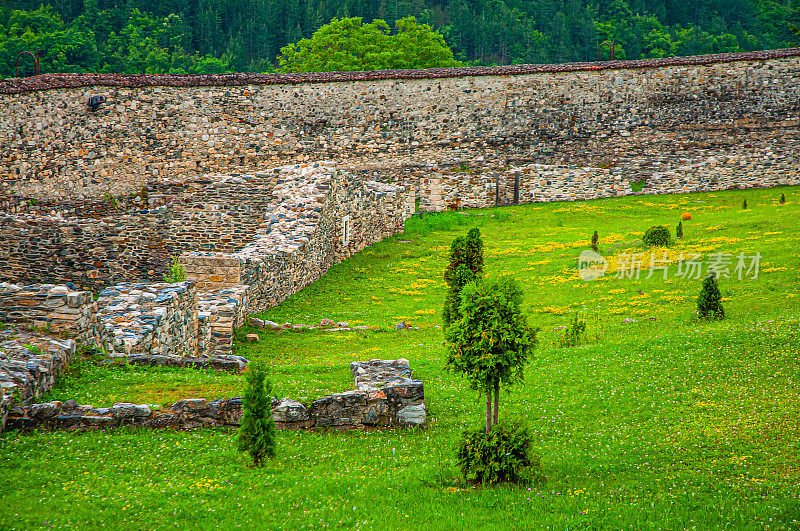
(134, 243)
(634, 118)
(30, 362)
(90, 253)
(386, 396)
(57, 309)
(304, 233)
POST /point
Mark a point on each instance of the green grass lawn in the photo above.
(656, 421)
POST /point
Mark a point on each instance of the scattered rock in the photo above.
(253, 338)
(326, 322)
(256, 322)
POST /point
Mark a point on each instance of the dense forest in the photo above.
(189, 36)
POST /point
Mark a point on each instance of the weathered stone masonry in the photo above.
(174, 165)
(635, 118)
(387, 396)
(283, 228)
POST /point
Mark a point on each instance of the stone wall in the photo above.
(635, 118)
(386, 396)
(133, 243)
(29, 365)
(283, 228)
(153, 319)
(319, 216)
(245, 214)
(56, 309)
(142, 323)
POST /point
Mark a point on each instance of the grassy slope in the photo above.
(661, 422)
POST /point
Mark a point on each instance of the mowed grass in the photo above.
(657, 421)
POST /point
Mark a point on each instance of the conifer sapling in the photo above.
(257, 431)
(709, 302)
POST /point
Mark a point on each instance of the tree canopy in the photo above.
(247, 35)
(349, 44)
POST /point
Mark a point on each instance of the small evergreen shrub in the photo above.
(638, 186)
(574, 333)
(744, 204)
(466, 265)
(679, 230)
(176, 272)
(709, 302)
(658, 236)
(257, 431)
(783, 199)
(501, 456)
(595, 239)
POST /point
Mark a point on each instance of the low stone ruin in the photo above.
(29, 366)
(143, 323)
(387, 396)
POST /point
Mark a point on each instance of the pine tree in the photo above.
(679, 230)
(783, 198)
(595, 239)
(709, 302)
(257, 431)
(744, 204)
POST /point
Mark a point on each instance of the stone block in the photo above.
(96, 421)
(289, 410)
(414, 415)
(44, 411)
(125, 410)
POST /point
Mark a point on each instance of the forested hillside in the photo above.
(188, 36)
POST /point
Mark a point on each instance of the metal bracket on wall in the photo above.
(611, 46)
(35, 62)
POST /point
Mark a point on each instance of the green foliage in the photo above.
(491, 341)
(638, 186)
(175, 272)
(33, 349)
(108, 198)
(744, 204)
(783, 199)
(112, 40)
(347, 44)
(566, 395)
(465, 265)
(658, 236)
(709, 302)
(246, 35)
(503, 455)
(574, 334)
(679, 230)
(595, 239)
(257, 430)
